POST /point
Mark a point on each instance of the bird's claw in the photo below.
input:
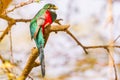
(58, 21)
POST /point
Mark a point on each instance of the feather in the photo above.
(42, 61)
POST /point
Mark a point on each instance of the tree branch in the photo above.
(101, 46)
(1, 58)
(29, 65)
(79, 43)
(55, 28)
(20, 5)
(34, 54)
(3, 5)
(11, 22)
(31, 61)
(113, 62)
(22, 20)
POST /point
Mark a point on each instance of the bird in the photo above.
(45, 17)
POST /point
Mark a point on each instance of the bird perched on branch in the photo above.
(42, 19)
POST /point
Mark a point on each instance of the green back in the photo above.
(33, 26)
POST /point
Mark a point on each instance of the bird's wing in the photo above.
(33, 28)
(38, 19)
(40, 22)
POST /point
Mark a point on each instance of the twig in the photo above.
(1, 58)
(109, 18)
(65, 28)
(30, 77)
(111, 23)
(116, 38)
(79, 43)
(54, 28)
(20, 5)
(6, 31)
(11, 22)
(113, 62)
(101, 46)
(11, 48)
(22, 20)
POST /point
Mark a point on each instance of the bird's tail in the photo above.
(42, 61)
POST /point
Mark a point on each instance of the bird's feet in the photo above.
(58, 21)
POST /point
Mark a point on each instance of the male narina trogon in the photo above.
(43, 18)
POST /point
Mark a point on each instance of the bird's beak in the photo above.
(37, 1)
(55, 7)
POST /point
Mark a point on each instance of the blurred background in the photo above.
(90, 22)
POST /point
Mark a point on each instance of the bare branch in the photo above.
(116, 38)
(114, 66)
(55, 28)
(20, 5)
(101, 46)
(29, 65)
(11, 22)
(22, 20)
(6, 31)
(1, 58)
(4, 5)
(79, 43)
(36, 64)
(11, 47)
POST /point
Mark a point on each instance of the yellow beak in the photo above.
(55, 8)
(37, 1)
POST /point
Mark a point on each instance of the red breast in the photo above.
(48, 20)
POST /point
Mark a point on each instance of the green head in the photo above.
(50, 6)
